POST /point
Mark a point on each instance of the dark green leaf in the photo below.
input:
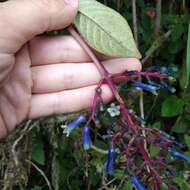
(38, 154)
(181, 126)
(36, 188)
(154, 151)
(187, 140)
(127, 186)
(188, 59)
(156, 125)
(172, 106)
(181, 183)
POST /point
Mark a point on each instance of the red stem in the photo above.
(107, 78)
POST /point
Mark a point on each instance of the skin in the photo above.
(43, 76)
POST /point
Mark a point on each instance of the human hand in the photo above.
(42, 76)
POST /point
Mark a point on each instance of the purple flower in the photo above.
(75, 123)
(86, 138)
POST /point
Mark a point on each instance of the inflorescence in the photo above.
(128, 144)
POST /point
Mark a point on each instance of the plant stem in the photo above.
(141, 101)
(106, 76)
(135, 27)
(184, 5)
(85, 46)
(156, 45)
(158, 17)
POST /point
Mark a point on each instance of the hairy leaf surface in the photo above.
(105, 30)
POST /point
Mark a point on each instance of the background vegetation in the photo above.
(39, 157)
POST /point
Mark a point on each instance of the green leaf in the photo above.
(172, 106)
(188, 59)
(181, 126)
(154, 151)
(36, 188)
(156, 125)
(127, 185)
(181, 183)
(105, 30)
(38, 154)
(187, 140)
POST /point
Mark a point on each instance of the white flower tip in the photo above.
(63, 126)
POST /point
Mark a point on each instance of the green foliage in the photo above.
(38, 154)
(37, 188)
(172, 106)
(188, 59)
(181, 183)
(187, 140)
(105, 30)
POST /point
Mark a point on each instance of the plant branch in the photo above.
(135, 26)
(155, 45)
(158, 17)
(104, 73)
(85, 46)
(41, 172)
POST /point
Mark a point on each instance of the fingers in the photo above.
(65, 102)
(22, 20)
(58, 77)
(57, 49)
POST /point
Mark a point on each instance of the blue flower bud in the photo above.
(137, 184)
(75, 123)
(173, 69)
(147, 87)
(163, 133)
(140, 120)
(168, 87)
(179, 155)
(154, 84)
(86, 138)
(110, 163)
(172, 138)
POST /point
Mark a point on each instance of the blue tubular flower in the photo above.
(179, 155)
(137, 184)
(148, 87)
(110, 163)
(168, 87)
(86, 138)
(154, 84)
(75, 123)
(166, 135)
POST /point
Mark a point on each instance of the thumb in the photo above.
(21, 20)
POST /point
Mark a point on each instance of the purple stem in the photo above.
(108, 79)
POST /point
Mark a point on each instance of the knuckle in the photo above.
(72, 3)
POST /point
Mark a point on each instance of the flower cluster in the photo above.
(129, 136)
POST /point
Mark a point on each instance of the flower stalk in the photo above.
(129, 136)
